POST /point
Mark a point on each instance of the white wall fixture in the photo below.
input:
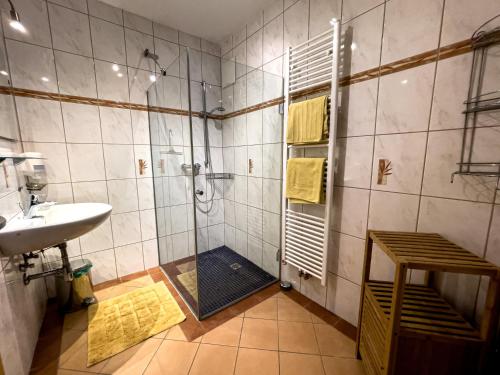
(311, 65)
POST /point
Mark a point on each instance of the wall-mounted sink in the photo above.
(50, 225)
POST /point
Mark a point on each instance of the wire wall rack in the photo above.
(483, 40)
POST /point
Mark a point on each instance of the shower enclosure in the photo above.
(209, 242)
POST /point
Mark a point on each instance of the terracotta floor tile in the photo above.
(290, 311)
(214, 360)
(227, 333)
(172, 358)
(139, 282)
(113, 291)
(259, 334)
(255, 361)
(300, 364)
(77, 320)
(161, 335)
(74, 352)
(336, 366)
(176, 333)
(332, 342)
(297, 337)
(317, 319)
(134, 360)
(267, 309)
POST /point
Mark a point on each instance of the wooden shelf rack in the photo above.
(410, 329)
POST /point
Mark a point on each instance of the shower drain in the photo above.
(235, 266)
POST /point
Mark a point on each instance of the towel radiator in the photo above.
(312, 68)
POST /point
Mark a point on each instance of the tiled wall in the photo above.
(21, 307)
(412, 118)
(91, 49)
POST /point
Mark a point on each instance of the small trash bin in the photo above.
(77, 293)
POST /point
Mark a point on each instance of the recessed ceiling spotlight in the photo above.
(120, 75)
(152, 78)
(404, 81)
(45, 79)
(15, 20)
(4, 73)
(115, 67)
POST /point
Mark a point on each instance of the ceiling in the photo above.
(210, 19)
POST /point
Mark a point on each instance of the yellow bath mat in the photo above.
(189, 282)
(121, 322)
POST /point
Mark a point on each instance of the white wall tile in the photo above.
(86, 162)
(135, 44)
(129, 259)
(100, 238)
(32, 67)
(393, 211)
(272, 40)
(104, 266)
(94, 191)
(255, 250)
(456, 220)
(296, 23)
(40, 120)
(137, 22)
(406, 153)
(108, 41)
(343, 298)
(111, 85)
(34, 18)
(123, 195)
(70, 30)
(148, 224)
(404, 100)
(105, 11)
(345, 258)
(410, 28)
(115, 125)
(351, 207)
(320, 14)
(354, 161)
(119, 160)
(75, 74)
(126, 228)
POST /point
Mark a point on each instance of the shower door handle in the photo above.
(198, 192)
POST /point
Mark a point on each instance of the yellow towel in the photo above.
(304, 180)
(307, 121)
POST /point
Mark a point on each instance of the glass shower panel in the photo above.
(217, 178)
(172, 183)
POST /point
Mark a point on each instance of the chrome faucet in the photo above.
(33, 200)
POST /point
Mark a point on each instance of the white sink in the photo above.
(49, 225)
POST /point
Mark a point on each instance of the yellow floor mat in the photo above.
(189, 282)
(121, 322)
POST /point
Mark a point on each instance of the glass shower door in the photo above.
(171, 147)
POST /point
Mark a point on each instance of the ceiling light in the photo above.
(120, 75)
(4, 73)
(115, 67)
(404, 81)
(152, 78)
(45, 79)
(15, 20)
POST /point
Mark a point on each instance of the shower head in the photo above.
(155, 57)
(151, 55)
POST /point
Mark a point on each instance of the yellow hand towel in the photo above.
(304, 180)
(307, 121)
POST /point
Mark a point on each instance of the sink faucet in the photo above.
(33, 200)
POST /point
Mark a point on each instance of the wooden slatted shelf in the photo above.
(410, 329)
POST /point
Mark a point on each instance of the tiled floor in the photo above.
(270, 333)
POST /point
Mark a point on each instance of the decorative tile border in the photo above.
(428, 57)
